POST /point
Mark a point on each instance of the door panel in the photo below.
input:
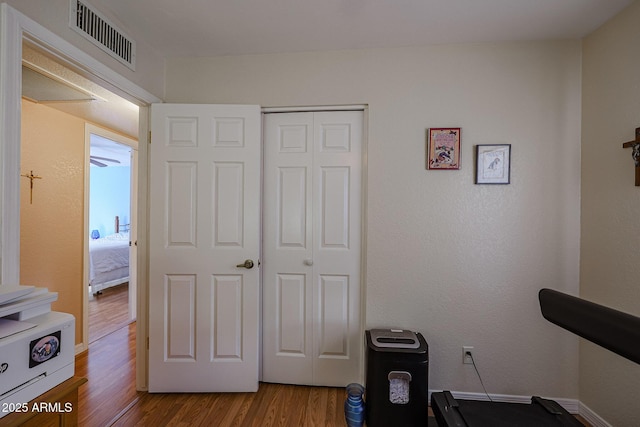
(335, 207)
(181, 202)
(204, 223)
(291, 295)
(181, 330)
(312, 248)
(227, 325)
(292, 198)
(227, 209)
(287, 349)
(334, 317)
(337, 246)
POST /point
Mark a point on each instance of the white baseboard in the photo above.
(591, 417)
(80, 348)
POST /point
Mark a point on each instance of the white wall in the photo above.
(610, 272)
(459, 262)
(54, 16)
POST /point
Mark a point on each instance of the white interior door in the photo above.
(312, 247)
(204, 224)
(133, 236)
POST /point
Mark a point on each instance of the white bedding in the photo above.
(108, 261)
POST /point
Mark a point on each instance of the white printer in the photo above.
(37, 345)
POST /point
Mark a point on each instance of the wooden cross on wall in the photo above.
(31, 177)
(635, 146)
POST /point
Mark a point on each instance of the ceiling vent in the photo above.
(92, 25)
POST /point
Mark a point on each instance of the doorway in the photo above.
(112, 197)
(20, 29)
(61, 110)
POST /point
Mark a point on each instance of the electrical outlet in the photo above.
(467, 351)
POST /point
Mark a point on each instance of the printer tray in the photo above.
(450, 412)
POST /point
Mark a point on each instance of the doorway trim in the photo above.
(14, 28)
(91, 129)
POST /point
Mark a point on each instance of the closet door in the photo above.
(312, 248)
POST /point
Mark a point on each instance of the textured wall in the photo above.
(51, 229)
(610, 272)
(462, 263)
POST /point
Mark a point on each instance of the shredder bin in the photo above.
(397, 371)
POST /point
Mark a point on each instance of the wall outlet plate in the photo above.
(467, 351)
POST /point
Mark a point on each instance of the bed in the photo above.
(109, 259)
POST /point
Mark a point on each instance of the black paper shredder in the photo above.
(397, 371)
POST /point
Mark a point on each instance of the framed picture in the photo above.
(444, 149)
(493, 164)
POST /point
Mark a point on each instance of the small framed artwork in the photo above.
(444, 149)
(493, 164)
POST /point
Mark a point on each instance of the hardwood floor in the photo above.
(272, 405)
(109, 398)
(109, 365)
(108, 311)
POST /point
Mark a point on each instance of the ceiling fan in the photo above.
(98, 161)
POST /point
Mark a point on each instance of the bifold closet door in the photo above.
(312, 247)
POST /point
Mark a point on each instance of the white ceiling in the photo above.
(235, 27)
(109, 152)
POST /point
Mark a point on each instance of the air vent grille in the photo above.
(92, 25)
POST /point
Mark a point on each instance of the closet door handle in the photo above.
(308, 261)
(248, 264)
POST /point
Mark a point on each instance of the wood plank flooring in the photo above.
(109, 365)
(109, 398)
(272, 405)
(108, 311)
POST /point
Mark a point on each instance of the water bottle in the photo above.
(354, 405)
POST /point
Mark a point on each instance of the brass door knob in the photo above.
(246, 264)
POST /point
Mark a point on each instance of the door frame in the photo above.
(91, 129)
(363, 225)
(15, 28)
